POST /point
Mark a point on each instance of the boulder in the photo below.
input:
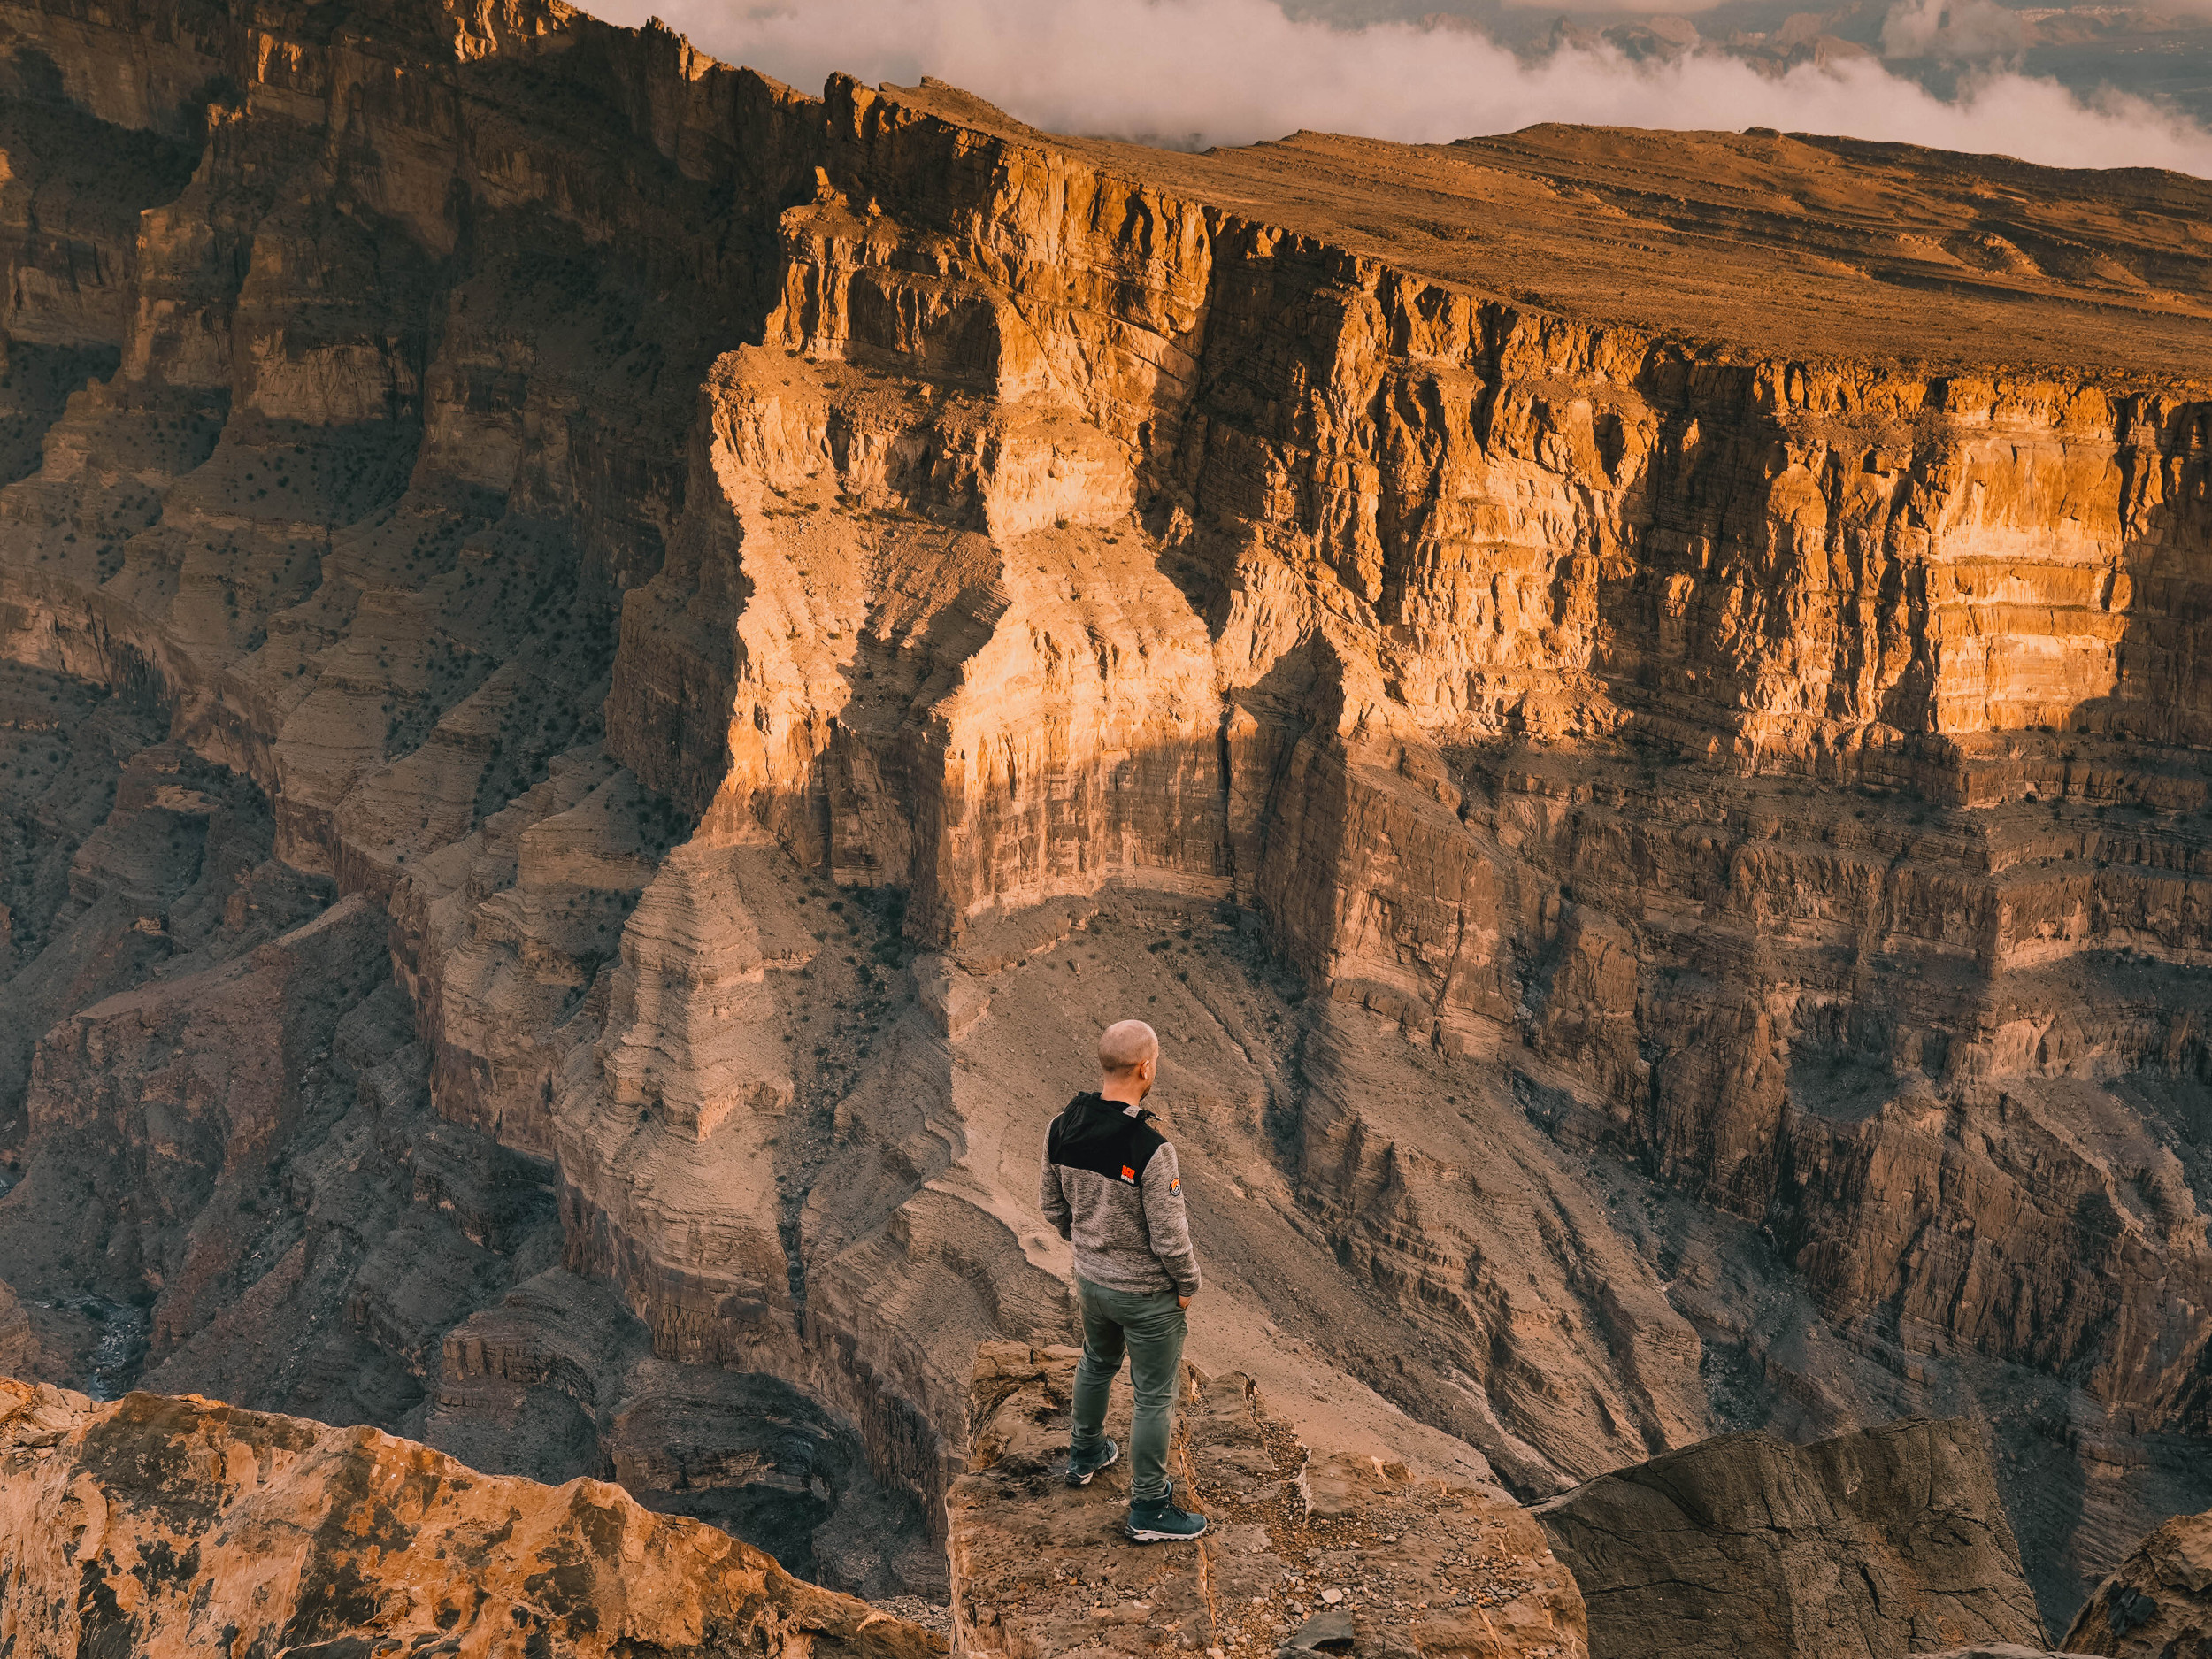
(1874, 1544)
(2157, 1604)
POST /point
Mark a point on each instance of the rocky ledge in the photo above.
(1304, 1552)
(155, 1526)
(1886, 1543)
(158, 1525)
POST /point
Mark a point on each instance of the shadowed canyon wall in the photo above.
(698, 638)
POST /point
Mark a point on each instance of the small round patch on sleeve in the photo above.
(1175, 1186)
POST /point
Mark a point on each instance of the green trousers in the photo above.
(1150, 1329)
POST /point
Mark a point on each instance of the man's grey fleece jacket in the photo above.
(1110, 1186)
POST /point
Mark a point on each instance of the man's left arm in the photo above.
(1052, 1197)
(1167, 1223)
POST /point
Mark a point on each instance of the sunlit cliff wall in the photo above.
(596, 494)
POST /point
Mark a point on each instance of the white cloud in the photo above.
(1226, 71)
(1960, 31)
(1583, 8)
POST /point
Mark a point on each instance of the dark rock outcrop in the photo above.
(2158, 1604)
(1869, 1546)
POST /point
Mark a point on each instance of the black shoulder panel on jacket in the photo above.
(1104, 1137)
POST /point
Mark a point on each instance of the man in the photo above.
(1110, 1186)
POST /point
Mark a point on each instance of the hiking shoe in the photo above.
(1081, 1469)
(1160, 1522)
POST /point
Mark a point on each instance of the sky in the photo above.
(1229, 72)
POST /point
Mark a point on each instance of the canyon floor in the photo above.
(610, 668)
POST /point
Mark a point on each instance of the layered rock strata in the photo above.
(1304, 1551)
(775, 616)
(161, 1526)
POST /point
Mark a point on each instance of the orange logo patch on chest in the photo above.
(1128, 1174)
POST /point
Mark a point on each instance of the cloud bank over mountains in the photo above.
(1229, 72)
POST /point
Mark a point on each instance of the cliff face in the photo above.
(159, 1526)
(1678, 879)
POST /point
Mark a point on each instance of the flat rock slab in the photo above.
(1304, 1553)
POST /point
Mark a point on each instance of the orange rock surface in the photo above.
(2155, 1601)
(1653, 777)
(156, 1525)
(1303, 1549)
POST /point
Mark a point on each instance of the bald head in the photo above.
(1125, 1045)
